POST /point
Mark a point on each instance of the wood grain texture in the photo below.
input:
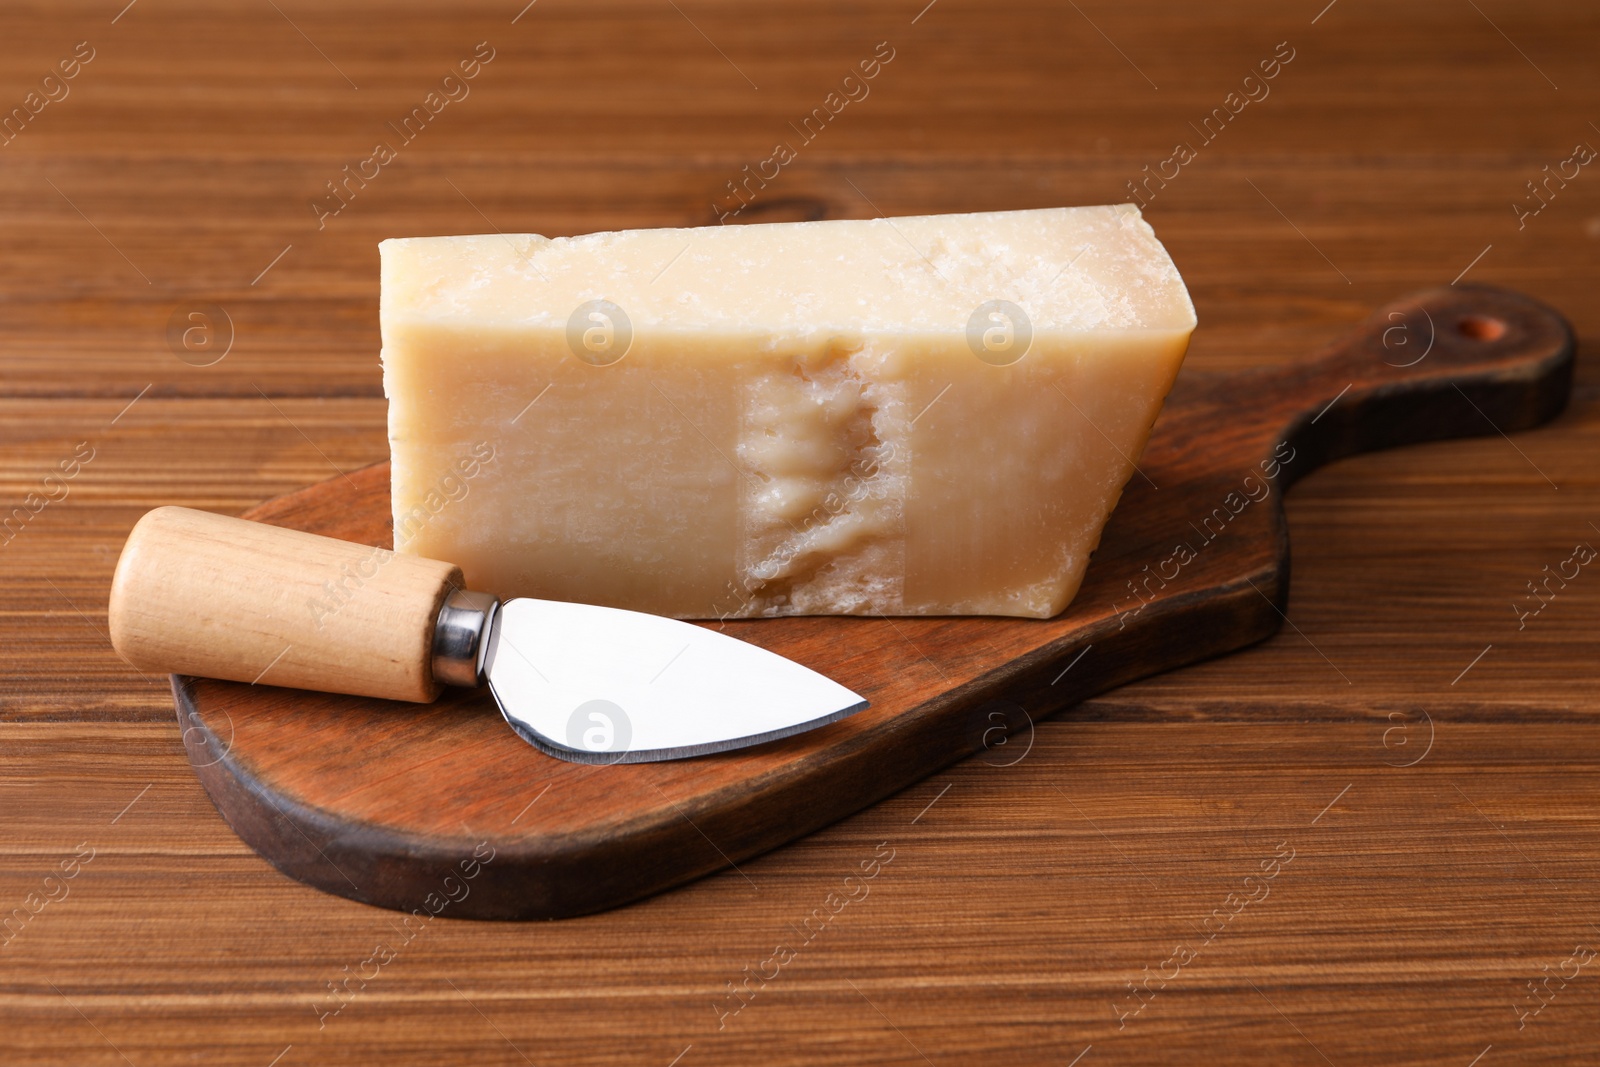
(199, 593)
(1025, 899)
(386, 804)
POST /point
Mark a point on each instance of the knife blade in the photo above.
(603, 685)
(221, 597)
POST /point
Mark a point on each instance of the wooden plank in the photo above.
(309, 326)
(1420, 551)
(384, 802)
(1058, 879)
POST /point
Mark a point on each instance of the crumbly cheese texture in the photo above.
(913, 416)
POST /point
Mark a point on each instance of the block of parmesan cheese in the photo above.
(908, 416)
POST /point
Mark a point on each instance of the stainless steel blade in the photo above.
(603, 685)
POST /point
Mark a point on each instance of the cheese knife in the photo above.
(221, 597)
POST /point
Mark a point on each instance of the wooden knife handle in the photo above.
(204, 594)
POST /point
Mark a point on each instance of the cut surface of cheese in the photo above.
(911, 416)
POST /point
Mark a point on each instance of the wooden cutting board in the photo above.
(442, 808)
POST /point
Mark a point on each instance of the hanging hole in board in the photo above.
(1482, 328)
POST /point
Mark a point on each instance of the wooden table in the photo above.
(1426, 759)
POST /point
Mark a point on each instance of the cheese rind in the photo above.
(800, 418)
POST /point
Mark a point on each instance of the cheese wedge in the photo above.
(910, 416)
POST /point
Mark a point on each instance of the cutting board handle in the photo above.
(198, 593)
(1446, 362)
